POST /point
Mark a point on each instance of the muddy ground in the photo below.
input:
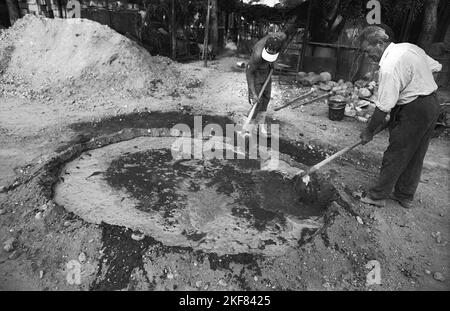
(36, 136)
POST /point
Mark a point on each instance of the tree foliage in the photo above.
(185, 11)
(330, 16)
(291, 3)
(392, 11)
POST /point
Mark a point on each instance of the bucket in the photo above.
(336, 109)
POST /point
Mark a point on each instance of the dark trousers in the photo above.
(260, 78)
(410, 131)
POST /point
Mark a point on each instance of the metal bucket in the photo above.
(336, 109)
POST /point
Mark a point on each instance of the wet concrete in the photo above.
(122, 256)
(153, 180)
(157, 185)
(222, 206)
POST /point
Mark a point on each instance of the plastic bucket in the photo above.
(336, 110)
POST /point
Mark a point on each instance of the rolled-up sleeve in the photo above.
(389, 90)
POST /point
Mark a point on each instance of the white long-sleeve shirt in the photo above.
(406, 72)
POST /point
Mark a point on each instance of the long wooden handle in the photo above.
(252, 112)
(294, 100)
(313, 100)
(337, 154)
(331, 158)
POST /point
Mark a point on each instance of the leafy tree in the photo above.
(328, 16)
(229, 6)
(160, 11)
(291, 3)
(429, 24)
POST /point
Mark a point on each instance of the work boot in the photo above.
(368, 199)
(403, 202)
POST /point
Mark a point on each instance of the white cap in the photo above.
(269, 57)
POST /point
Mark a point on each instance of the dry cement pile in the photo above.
(40, 56)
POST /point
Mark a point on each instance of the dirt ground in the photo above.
(33, 130)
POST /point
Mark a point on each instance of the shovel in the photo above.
(303, 176)
(255, 105)
(312, 100)
(294, 100)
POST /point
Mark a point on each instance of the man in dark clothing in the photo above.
(264, 54)
(406, 91)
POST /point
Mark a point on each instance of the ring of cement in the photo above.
(95, 201)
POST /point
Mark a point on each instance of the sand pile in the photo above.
(40, 55)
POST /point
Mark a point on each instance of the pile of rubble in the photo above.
(41, 57)
(359, 96)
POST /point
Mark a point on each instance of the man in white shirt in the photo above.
(406, 91)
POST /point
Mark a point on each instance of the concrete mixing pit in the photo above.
(221, 206)
(225, 208)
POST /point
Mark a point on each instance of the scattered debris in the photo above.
(73, 276)
(41, 274)
(82, 257)
(309, 79)
(360, 97)
(359, 220)
(222, 282)
(2, 211)
(38, 216)
(138, 236)
(374, 276)
(363, 119)
(437, 236)
(10, 244)
(357, 195)
(325, 76)
(326, 285)
(198, 284)
(14, 255)
(240, 64)
(365, 93)
(170, 276)
(438, 277)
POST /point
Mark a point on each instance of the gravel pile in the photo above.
(40, 57)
